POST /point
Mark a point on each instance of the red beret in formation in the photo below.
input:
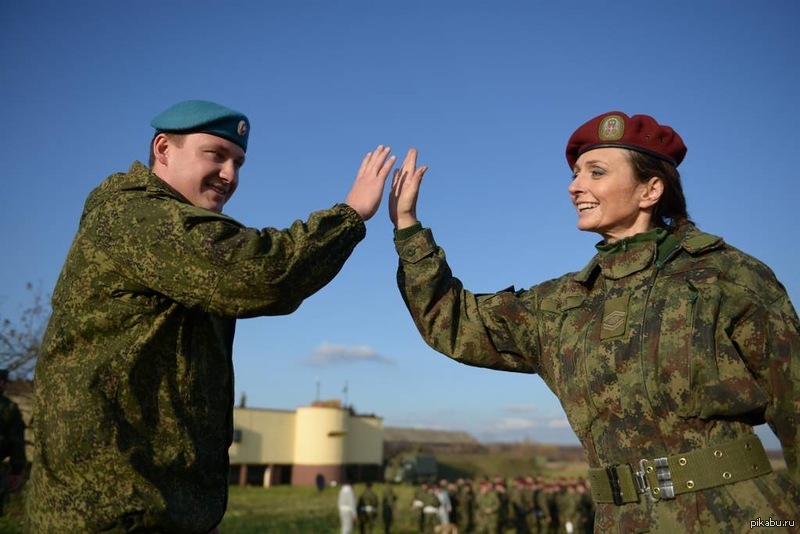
(615, 129)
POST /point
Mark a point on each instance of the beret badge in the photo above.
(612, 128)
(241, 128)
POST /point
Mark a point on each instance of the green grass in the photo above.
(287, 509)
(278, 510)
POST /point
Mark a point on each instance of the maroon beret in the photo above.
(615, 129)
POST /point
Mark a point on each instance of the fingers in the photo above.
(364, 164)
(408, 171)
(410, 163)
(376, 161)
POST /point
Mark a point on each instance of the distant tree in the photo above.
(21, 337)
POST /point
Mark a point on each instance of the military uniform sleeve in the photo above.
(205, 260)
(768, 337)
(480, 330)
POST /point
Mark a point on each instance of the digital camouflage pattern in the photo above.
(652, 350)
(134, 382)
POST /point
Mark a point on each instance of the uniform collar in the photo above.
(635, 253)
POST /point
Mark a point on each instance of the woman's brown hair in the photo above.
(670, 212)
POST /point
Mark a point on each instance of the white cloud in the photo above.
(551, 427)
(520, 408)
(513, 423)
(333, 354)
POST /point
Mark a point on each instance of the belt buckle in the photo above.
(660, 487)
(664, 477)
(613, 479)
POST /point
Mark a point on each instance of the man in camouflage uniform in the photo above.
(418, 503)
(367, 509)
(388, 502)
(665, 350)
(466, 506)
(487, 509)
(521, 499)
(567, 504)
(12, 444)
(430, 509)
(542, 501)
(134, 382)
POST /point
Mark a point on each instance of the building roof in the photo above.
(427, 436)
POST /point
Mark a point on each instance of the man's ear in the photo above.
(161, 147)
(652, 191)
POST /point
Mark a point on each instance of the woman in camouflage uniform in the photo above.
(665, 350)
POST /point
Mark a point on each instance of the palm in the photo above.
(405, 191)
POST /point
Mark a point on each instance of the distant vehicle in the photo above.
(412, 468)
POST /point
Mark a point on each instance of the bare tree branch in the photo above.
(21, 337)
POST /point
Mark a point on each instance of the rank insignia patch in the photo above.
(615, 317)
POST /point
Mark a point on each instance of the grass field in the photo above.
(288, 509)
(275, 510)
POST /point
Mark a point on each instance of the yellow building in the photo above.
(284, 447)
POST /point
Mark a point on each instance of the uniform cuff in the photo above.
(420, 245)
(405, 233)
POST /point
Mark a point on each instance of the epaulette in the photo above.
(701, 242)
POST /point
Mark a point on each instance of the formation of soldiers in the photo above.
(529, 505)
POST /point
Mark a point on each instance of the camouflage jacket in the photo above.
(650, 353)
(12, 435)
(134, 382)
(368, 499)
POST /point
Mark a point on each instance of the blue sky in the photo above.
(488, 92)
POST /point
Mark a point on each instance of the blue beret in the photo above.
(201, 116)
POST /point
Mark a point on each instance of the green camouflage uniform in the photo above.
(12, 445)
(387, 507)
(487, 512)
(430, 514)
(134, 382)
(660, 345)
(368, 510)
(466, 508)
(567, 506)
(544, 519)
